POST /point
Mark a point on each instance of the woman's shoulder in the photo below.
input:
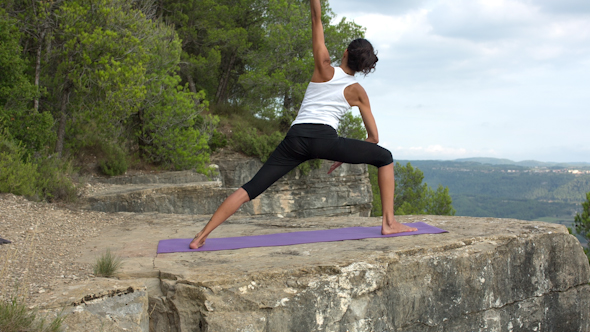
(323, 75)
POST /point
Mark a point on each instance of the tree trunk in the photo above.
(222, 88)
(61, 131)
(191, 83)
(38, 68)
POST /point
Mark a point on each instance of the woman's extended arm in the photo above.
(357, 96)
(323, 70)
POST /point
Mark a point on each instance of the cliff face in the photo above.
(483, 275)
(346, 191)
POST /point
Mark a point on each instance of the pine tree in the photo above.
(582, 222)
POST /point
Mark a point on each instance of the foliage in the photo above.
(14, 84)
(139, 75)
(499, 207)
(170, 129)
(377, 209)
(505, 181)
(16, 317)
(352, 126)
(250, 143)
(115, 162)
(440, 202)
(55, 179)
(582, 222)
(17, 174)
(414, 197)
(173, 133)
(508, 191)
(33, 129)
(217, 141)
(98, 68)
(107, 264)
(277, 83)
(34, 177)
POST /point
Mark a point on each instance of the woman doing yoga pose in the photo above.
(313, 135)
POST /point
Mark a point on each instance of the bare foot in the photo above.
(197, 242)
(393, 227)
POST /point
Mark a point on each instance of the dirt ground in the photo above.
(46, 240)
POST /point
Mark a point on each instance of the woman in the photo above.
(313, 135)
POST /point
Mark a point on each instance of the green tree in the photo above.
(414, 197)
(169, 127)
(352, 126)
(31, 128)
(279, 68)
(582, 222)
(216, 37)
(411, 195)
(14, 83)
(97, 74)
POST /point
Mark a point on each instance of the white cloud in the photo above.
(480, 20)
(446, 67)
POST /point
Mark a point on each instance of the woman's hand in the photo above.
(334, 166)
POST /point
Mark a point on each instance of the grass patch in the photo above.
(107, 264)
(16, 317)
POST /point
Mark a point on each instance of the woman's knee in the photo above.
(241, 195)
(383, 158)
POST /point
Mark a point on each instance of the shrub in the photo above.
(217, 141)
(17, 175)
(39, 178)
(250, 143)
(55, 181)
(115, 162)
(261, 146)
(33, 129)
(16, 317)
(107, 264)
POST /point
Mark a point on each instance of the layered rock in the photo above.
(346, 191)
(484, 275)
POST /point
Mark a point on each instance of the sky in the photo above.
(479, 78)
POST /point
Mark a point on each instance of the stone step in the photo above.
(187, 198)
(346, 191)
(179, 177)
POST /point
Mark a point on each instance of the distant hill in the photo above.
(525, 163)
(489, 187)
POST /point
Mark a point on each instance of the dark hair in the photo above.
(361, 56)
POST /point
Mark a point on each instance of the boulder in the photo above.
(485, 274)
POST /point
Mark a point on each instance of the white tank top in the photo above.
(325, 102)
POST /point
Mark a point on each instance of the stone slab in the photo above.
(484, 275)
(346, 191)
(106, 305)
(178, 177)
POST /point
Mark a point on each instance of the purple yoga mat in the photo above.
(287, 239)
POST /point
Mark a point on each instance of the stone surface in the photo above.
(346, 191)
(106, 305)
(154, 178)
(484, 275)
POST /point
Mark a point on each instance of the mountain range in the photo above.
(524, 163)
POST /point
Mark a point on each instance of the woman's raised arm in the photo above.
(323, 71)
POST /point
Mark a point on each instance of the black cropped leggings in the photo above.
(297, 147)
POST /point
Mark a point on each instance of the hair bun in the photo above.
(361, 56)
